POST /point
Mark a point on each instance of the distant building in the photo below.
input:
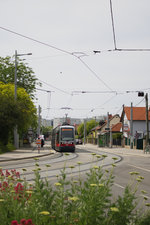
(71, 121)
(46, 123)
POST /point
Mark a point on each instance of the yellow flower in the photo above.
(144, 192)
(79, 163)
(44, 213)
(36, 159)
(113, 165)
(145, 198)
(58, 184)
(2, 200)
(72, 167)
(67, 153)
(139, 180)
(93, 185)
(147, 204)
(37, 164)
(134, 173)
(47, 165)
(95, 167)
(101, 185)
(104, 156)
(140, 177)
(73, 198)
(114, 209)
(114, 158)
(98, 156)
(29, 192)
(93, 153)
(24, 169)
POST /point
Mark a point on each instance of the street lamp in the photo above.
(16, 137)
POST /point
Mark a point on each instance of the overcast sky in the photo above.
(64, 61)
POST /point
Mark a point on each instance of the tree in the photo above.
(25, 75)
(89, 125)
(21, 112)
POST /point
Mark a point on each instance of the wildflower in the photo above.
(58, 184)
(107, 171)
(98, 156)
(29, 222)
(101, 185)
(36, 159)
(140, 177)
(24, 169)
(14, 222)
(37, 164)
(114, 158)
(47, 165)
(75, 181)
(7, 173)
(79, 163)
(104, 156)
(133, 173)
(114, 209)
(93, 185)
(93, 153)
(144, 192)
(95, 167)
(2, 200)
(44, 213)
(73, 198)
(147, 204)
(72, 167)
(113, 165)
(23, 222)
(29, 192)
(139, 180)
(145, 198)
(67, 153)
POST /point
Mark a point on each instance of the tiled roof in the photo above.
(117, 127)
(139, 113)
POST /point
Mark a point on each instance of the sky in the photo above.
(63, 35)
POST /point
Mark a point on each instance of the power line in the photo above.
(55, 87)
(94, 74)
(78, 55)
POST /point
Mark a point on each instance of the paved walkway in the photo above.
(118, 150)
(26, 153)
(32, 152)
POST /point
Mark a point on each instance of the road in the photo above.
(52, 165)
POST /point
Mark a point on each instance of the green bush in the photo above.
(69, 201)
(6, 148)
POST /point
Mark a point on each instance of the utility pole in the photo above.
(16, 135)
(147, 120)
(84, 131)
(131, 127)
(39, 121)
(108, 129)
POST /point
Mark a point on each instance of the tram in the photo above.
(63, 138)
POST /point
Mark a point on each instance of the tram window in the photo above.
(67, 134)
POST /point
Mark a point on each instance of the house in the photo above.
(104, 132)
(137, 124)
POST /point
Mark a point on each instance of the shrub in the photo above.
(69, 201)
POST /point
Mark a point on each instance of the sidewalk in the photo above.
(118, 151)
(26, 153)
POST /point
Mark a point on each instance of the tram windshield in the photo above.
(67, 134)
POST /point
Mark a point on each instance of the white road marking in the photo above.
(141, 168)
(118, 185)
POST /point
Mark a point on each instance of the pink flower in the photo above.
(14, 222)
(23, 222)
(29, 222)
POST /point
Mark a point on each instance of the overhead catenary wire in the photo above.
(74, 54)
